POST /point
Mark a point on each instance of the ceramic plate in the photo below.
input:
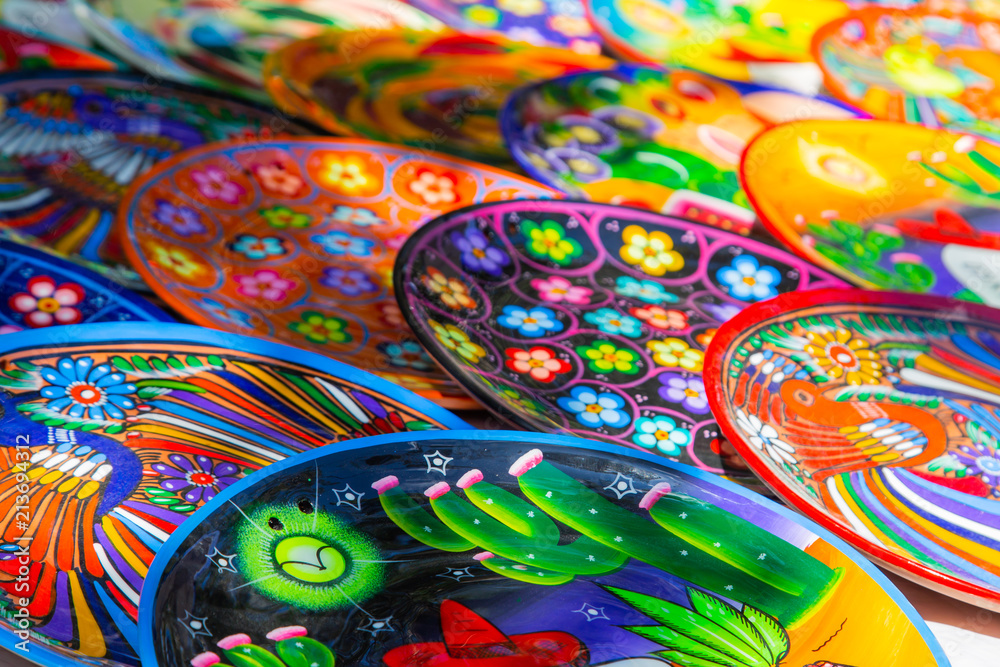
(41, 290)
(761, 40)
(915, 65)
(74, 141)
(435, 91)
(296, 240)
(19, 50)
(666, 140)
(885, 205)
(445, 549)
(110, 445)
(542, 22)
(230, 38)
(588, 318)
(875, 414)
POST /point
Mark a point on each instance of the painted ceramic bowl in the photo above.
(590, 319)
(229, 38)
(296, 239)
(885, 205)
(118, 443)
(445, 549)
(541, 22)
(665, 140)
(41, 289)
(434, 91)
(19, 50)
(874, 414)
(916, 65)
(762, 40)
(75, 141)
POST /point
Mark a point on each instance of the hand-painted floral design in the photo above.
(282, 217)
(676, 353)
(556, 289)
(477, 252)
(46, 304)
(357, 216)
(747, 280)
(549, 241)
(452, 292)
(488, 17)
(264, 284)
(321, 329)
(214, 183)
(390, 314)
(841, 354)
(689, 392)
(651, 251)
(407, 354)
(176, 260)
(594, 408)
(662, 433)
(539, 363)
(981, 457)
(196, 479)
(342, 243)
(457, 341)
(607, 357)
(349, 282)
(531, 323)
(224, 313)
(765, 438)
(571, 26)
(661, 318)
(610, 321)
(723, 312)
(435, 189)
(644, 290)
(83, 390)
(259, 247)
(522, 7)
(706, 336)
(182, 220)
(275, 178)
(347, 174)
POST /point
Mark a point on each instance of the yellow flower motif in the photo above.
(346, 174)
(841, 355)
(176, 260)
(522, 7)
(457, 341)
(652, 251)
(676, 353)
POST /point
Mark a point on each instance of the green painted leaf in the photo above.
(215, 360)
(770, 630)
(122, 364)
(249, 655)
(677, 658)
(140, 363)
(193, 361)
(674, 641)
(159, 365)
(304, 652)
(731, 619)
(174, 362)
(115, 428)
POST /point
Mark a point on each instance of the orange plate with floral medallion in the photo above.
(296, 239)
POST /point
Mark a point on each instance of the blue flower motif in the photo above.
(747, 280)
(360, 217)
(224, 313)
(407, 354)
(342, 243)
(86, 390)
(610, 321)
(533, 323)
(350, 282)
(183, 220)
(257, 247)
(594, 409)
(649, 291)
(661, 432)
(477, 253)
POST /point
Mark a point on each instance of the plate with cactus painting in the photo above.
(875, 414)
(509, 549)
(885, 205)
(590, 319)
(114, 436)
(667, 140)
(296, 239)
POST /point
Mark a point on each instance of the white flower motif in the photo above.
(765, 438)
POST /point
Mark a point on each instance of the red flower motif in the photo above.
(45, 303)
(661, 318)
(539, 363)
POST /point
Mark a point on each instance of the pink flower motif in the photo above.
(392, 316)
(556, 289)
(9, 328)
(214, 183)
(538, 362)
(275, 178)
(45, 304)
(434, 189)
(266, 284)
